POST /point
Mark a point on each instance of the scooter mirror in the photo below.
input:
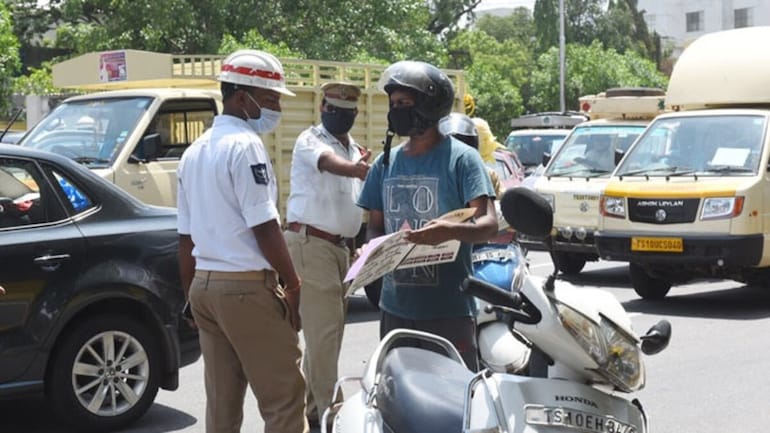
(657, 338)
(527, 212)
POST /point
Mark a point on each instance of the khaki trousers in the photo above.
(246, 338)
(322, 266)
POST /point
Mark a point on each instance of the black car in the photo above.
(91, 314)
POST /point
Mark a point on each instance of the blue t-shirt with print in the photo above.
(417, 189)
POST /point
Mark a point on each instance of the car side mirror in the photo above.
(147, 150)
(619, 156)
(546, 159)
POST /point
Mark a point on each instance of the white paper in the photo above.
(730, 156)
(390, 252)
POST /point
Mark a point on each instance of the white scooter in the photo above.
(585, 363)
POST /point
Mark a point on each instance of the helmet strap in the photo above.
(386, 146)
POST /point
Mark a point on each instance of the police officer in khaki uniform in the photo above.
(326, 171)
(232, 253)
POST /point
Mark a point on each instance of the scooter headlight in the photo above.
(615, 352)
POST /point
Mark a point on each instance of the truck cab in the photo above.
(576, 175)
(691, 199)
(133, 138)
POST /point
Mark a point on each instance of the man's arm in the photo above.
(186, 263)
(483, 229)
(375, 226)
(273, 245)
(335, 164)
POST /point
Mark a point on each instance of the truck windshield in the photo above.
(590, 150)
(717, 145)
(530, 147)
(91, 132)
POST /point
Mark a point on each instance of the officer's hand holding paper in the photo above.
(406, 249)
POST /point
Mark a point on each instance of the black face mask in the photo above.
(338, 122)
(402, 120)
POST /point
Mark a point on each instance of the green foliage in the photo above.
(617, 23)
(38, 81)
(518, 26)
(590, 69)
(9, 58)
(495, 72)
(255, 41)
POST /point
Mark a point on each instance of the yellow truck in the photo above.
(575, 176)
(691, 198)
(143, 109)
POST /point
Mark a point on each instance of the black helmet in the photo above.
(435, 92)
(460, 126)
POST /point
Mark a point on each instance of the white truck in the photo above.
(691, 199)
(151, 106)
(574, 178)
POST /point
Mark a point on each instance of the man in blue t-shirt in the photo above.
(421, 179)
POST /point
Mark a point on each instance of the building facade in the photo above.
(680, 22)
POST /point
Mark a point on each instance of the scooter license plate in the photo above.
(576, 420)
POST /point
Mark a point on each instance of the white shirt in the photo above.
(226, 186)
(321, 199)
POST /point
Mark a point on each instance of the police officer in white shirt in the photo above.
(232, 253)
(327, 168)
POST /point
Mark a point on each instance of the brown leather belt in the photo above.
(318, 233)
(264, 274)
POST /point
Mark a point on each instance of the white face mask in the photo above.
(266, 122)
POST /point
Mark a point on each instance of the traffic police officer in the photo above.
(326, 171)
(232, 254)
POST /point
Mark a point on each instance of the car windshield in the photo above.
(703, 146)
(590, 150)
(530, 147)
(91, 132)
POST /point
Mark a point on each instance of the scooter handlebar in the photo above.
(491, 293)
(521, 309)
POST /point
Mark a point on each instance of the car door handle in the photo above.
(50, 262)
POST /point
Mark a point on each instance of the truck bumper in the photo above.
(706, 250)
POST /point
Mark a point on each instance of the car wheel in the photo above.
(569, 264)
(647, 286)
(105, 373)
(372, 291)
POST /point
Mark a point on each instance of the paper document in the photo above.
(392, 251)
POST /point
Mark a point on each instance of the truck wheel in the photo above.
(568, 264)
(372, 291)
(646, 286)
(105, 373)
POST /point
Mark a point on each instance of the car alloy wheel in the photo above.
(105, 372)
(110, 373)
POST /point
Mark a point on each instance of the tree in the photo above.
(9, 58)
(495, 72)
(518, 26)
(321, 29)
(591, 69)
(617, 23)
(446, 14)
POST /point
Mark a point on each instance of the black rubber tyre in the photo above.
(372, 291)
(646, 286)
(568, 263)
(114, 356)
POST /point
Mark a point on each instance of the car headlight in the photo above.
(615, 352)
(613, 206)
(721, 207)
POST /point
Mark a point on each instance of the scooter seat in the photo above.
(422, 392)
